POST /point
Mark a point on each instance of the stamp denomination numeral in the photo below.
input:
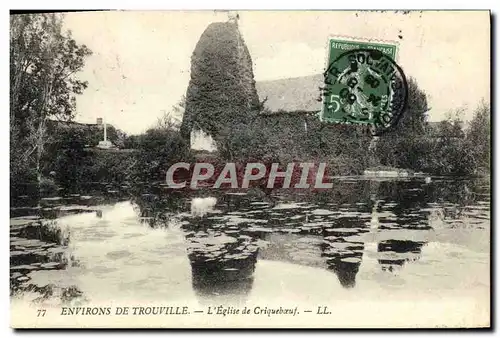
(337, 103)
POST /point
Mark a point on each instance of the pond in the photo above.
(372, 249)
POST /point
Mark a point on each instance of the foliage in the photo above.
(131, 142)
(171, 120)
(72, 163)
(44, 61)
(69, 157)
(158, 148)
(444, 148)
(222, 100)
(221, 92)
(402, 146)
(109, 166)
(478, 138)
(92, 133)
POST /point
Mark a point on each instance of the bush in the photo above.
(478, 139)
(157, 150)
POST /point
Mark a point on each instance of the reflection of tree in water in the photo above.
(342, 192)
(402, 251)
(341, 216)
(35, 246)
(343, 246)
(38, 243)
(453, 198)
(158, 208)
(67, 295)
(413, 195)
(223, 232)
(404, 200)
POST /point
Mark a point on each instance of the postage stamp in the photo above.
(363, 84)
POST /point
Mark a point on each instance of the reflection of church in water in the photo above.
(225, 237)
(223, 254)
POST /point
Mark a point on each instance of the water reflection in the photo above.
(402, 218)
(38, 243)
(343, 247)
(221, 255)
(394, 253)
(223, 234)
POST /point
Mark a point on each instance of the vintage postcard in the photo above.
(250, 169)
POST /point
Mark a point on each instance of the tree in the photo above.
(478, 137)
(404, 146)
(171, 120)
(69, 157)
(44, 61)
(446, 151)
(158, 149)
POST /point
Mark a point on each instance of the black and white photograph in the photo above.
(250, 169)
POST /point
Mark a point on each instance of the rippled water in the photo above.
(400, 239)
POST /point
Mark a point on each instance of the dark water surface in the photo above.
(361, 238)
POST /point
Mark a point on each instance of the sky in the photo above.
(140, 65)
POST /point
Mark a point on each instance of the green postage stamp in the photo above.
(363, 83)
